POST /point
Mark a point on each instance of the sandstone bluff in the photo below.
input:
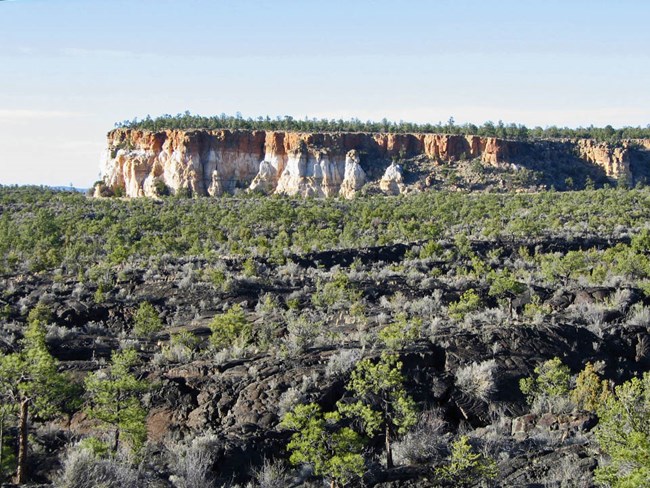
(214, 162)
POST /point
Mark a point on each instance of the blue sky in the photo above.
(69, 68)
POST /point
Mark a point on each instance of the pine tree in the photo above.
(552, 380)
(146, 321)
(115, 400)
(332, 451)
(623, 433)
(590, 391)
(30, 381)
(7, 456)
(503, 285)
(466, 467)
(381, 400)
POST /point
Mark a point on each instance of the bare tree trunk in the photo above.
(116, 440)
(389, 449)
(21, 474)
(2, 435)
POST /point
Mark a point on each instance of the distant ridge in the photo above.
(48, 187)
(69, 188)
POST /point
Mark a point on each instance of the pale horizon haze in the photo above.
(70, 69)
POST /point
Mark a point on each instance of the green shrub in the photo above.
(623, 433)
(219, 279)
(551, 382)
(430, 249)
(468, 302)
(231, 329)
(401, 332)
(146, 321)
(40, 313)
(641, 242)
(183, 193)
(160, 188)
(7, 456)
(465, 466)
(590, 391)
(463, 245)
(535, 308)
(337, 291)
(94, 445)
(249, 268)
(185, 339)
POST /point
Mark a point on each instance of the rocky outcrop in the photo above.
(214, 162)
(392, 181)
(216, 188)
(615, 160)
(354, 177)
(266, 179)
(311, 172)
(564, 424)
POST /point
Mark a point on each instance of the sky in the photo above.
(70, 69)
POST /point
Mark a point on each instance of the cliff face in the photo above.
(315, 164)
(614, 160)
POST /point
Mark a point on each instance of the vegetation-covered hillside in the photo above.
(435, 339)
